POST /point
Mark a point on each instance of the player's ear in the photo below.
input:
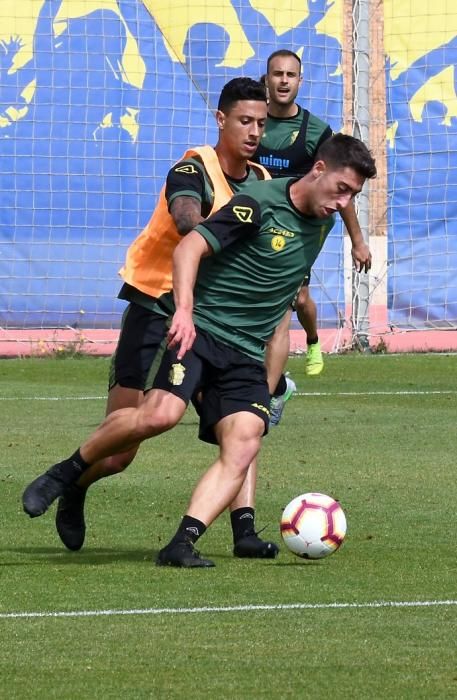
(319, 168)
(220, 119)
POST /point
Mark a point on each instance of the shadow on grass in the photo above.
(102, 556)
(94, 556)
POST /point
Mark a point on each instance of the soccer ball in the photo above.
(313, 525)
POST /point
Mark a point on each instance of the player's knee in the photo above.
(238, 454)
(251, 450)
(160, 420)
(303, 299)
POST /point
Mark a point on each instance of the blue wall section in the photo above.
(422, 165)
(78, 185)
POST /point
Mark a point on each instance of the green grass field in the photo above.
(378, 619)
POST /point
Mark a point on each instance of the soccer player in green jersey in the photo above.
(195, 187)
(234, 277)
(288, 146)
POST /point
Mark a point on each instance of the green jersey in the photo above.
(195, 182)
(289, 145)
(189, 178)
(262, 247)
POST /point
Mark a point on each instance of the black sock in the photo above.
(242, 520)
(69, 470)
(312, 341)
(77, 459)
(281, 387)
(189, 529)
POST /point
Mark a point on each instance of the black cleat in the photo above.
(70, 522)
(251, 546)
(44, 490)
(182, 554)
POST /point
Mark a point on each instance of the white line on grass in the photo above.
(235, 608)
(376, 393)
(53, 398)
(425, 392)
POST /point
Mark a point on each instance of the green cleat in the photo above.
(314, 360)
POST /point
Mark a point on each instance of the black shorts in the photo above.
(229, 382)
(142, 335)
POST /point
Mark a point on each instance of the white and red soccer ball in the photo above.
(313, 525)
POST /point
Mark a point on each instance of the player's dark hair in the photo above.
(343, 151)
(283, 52)
(240, 89)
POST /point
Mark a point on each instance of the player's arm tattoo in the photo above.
(186, 213)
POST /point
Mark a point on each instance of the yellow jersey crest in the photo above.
(176, 374)
(278, 242)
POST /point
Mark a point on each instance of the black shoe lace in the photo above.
(195, 553)
(253, 533)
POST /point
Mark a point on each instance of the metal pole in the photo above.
(361, 124)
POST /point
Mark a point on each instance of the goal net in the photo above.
(99, 98)
(421, 106)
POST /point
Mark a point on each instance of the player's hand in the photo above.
(361, 257)
(182, 332)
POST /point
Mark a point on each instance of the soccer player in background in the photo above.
(256, 249)
(288, 147)
(196, 186)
